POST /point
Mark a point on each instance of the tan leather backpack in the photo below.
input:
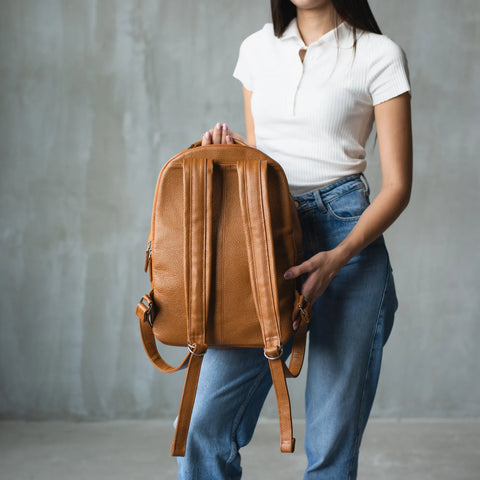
(224, 230)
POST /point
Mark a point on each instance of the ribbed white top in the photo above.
(315, 117)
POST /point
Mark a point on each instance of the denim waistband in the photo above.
(335, 189)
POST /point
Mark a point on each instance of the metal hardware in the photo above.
(149, 249)
(191, 349)
(299, 203)
(280, 353)
(148, 314)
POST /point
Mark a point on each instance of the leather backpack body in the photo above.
(224, 230)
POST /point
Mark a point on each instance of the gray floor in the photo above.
(407, 449)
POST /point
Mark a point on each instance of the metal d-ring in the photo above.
(280, 353)
(191, 350)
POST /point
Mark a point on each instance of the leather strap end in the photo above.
(288, 446)
(179, 443)
(287, 442)
(177, 451)
(141, 310)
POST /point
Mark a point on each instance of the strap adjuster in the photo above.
(147, 316)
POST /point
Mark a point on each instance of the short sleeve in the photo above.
(388, 75)
(243, 70)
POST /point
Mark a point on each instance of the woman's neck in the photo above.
(315, 22)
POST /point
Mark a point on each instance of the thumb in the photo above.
(296, 271)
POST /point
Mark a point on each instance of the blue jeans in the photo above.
(350, 325)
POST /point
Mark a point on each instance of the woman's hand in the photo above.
(321, 268)
(220, 134)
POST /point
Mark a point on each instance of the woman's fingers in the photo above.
(297, 270)
(206, 138)
(220, 133)
(225, 132)
(217, 133)
(228, 134)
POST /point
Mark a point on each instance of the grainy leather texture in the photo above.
(224, 230)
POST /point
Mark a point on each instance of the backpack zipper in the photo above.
(148, 258)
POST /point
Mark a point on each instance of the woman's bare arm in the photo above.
(249, 125)
(395, 146)
(393, 122)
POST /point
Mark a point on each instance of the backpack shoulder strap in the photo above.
(253, 192)
(197, 218)
(197, 201)
(255, 208)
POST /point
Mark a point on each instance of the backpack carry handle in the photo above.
(235, 141)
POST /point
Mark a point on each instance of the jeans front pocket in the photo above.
(349, 205)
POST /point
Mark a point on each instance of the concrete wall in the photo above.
(96, 95)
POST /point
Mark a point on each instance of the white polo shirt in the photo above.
(314, 117)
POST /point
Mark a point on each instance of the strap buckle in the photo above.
(147, 316)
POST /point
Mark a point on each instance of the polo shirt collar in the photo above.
(341, 33)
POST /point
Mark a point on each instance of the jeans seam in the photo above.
(356, 445)
(302, 209)
(342, 219)
(241, 411)
(364, 180)
(346, 192)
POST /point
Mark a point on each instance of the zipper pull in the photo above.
(148, 256)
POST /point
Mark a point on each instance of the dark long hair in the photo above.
(357, 13)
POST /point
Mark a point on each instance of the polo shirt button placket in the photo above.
(300, 77)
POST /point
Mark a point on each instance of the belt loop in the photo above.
(318, 199)
(365, 182)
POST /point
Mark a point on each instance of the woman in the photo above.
(313, 82)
